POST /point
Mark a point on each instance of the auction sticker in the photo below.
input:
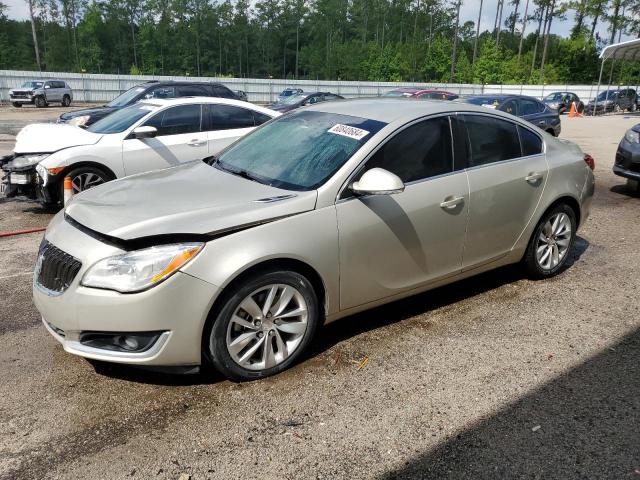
(347, 131)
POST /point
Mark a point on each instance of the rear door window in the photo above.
(420, 151)
(510, 107)
(531, 143)
(491, 140)
(192, 91)
(529, 107)
(161, 92)
(177, 120)
(228, 117)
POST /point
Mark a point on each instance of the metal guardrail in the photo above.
(104, 87)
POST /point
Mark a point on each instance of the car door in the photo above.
(227, 124)
(391, 244)
(50, 92)
(506, 181)
(180, 139)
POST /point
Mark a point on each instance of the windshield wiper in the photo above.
(215, 162)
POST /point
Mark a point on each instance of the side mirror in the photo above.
(378, 181)
(144, 132)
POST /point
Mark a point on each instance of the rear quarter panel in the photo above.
(568, 176)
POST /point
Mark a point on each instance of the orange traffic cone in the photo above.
(68, 190)
(573, 112)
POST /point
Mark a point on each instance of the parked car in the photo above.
(242, 95)
(613, 101)
(148, 135)
(530, 109)
(320, 213)
(303, 99)
(146, 91)
(422, 94)
(288, 92)
(561, 102)
(41, 93)
(627, 162)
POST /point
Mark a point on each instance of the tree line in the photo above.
(375, 40)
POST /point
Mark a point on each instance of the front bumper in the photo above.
(178, 308)
(627, 162)
(19, 181)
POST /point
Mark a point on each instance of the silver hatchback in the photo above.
(236, 262)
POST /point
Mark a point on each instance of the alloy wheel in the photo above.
(267, 327)
(85, 181)
(554, 241)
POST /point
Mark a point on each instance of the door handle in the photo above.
(196, 143)
(534, 177)
(451, 202)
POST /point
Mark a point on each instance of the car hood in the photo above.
(97, 112)
(193, 198)
(22, 90)
(51, 137)
(278, 107)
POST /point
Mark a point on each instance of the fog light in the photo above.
(133, 342)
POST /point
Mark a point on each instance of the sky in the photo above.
(469, 11)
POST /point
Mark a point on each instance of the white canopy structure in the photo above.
(629, 50)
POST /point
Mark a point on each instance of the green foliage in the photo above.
(383, 40)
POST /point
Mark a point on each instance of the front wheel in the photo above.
(41, 102)
(551, 242)
(16, 104)
(263, 326)
(84, 178)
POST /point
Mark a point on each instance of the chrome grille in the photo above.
(55, 269)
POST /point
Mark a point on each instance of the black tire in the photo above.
(214, 344)
(40, 102)
(66, 101)
(16, 104)
(79, 171)
(633, 186)
(531, 265)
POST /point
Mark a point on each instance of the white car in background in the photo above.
(148, 135)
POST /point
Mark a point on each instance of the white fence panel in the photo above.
(105, 87)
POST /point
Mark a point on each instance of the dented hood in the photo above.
(51, 137)
(193, 198)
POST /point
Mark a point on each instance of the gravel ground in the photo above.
(493, 377)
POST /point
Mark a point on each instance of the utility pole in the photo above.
(475, 44)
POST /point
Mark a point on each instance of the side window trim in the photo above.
(543, 150)
(359, 168)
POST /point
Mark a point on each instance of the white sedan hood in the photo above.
(51, 137)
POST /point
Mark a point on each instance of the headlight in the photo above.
(28, 160)
(632, 136)
(44, 174)
(140, 269)
(79, 121)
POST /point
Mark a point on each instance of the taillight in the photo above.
(589, 161)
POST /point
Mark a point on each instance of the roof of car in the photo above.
(396, 109)
(162, 102)
(154, 83)
(499, 96)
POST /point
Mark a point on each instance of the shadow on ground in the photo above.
(588, 424)
(348, 327)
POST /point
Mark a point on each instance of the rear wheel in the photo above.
(16, 104)
(40, 102)
(551, 242)
(263, 326)
(66, 101)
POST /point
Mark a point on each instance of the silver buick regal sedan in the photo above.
(235, 262)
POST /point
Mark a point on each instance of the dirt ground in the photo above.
(493, 377)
